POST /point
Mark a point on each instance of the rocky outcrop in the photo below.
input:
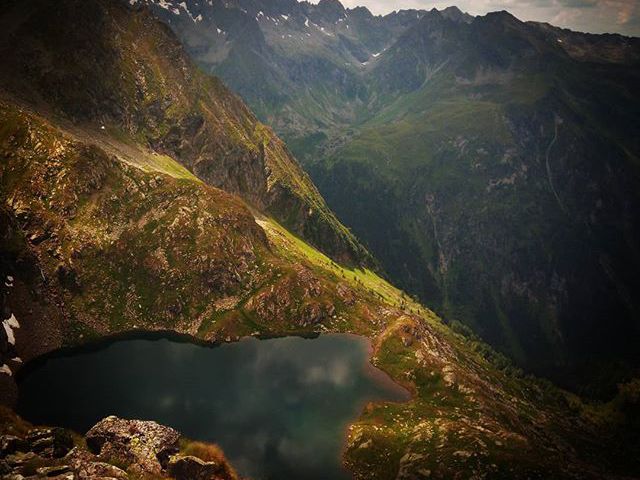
(142, 446)
(49, 442)
(118, 449)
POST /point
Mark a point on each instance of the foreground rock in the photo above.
(193, 468)
(118, 449)
(144, 447)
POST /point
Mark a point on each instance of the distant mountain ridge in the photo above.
(282, 54)
(489, 163)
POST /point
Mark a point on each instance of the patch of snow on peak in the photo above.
(9, 324)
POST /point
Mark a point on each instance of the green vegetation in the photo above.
(111, 233)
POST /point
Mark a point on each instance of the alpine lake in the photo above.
(279, 407)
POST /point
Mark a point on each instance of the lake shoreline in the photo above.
(375, 375)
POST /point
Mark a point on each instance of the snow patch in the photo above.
(167, 6)
(184, 7)
(286, 17)
(9, 324)
(5, 369)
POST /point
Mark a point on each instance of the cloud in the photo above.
(596, 16)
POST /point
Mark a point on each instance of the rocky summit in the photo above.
(139, 194)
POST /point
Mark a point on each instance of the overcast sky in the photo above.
(598, 16)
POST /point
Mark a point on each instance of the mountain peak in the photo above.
(501, 16)
(332, 10)
(457, 15)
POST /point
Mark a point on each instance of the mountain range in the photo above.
(138, 193)
(490, 164)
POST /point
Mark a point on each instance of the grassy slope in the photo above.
(122, 246)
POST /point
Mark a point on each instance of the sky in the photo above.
(597, 16)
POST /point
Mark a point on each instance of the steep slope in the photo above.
(100, 246)
(490, 164)
(126, 85)
(504, 161)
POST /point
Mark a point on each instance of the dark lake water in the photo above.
(279, 408)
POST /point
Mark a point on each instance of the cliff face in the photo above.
(100, 64)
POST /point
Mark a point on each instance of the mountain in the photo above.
(114, 229)
(174, 110)
(490, 164)
(298, 64)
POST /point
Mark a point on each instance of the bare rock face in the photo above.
(142, 445)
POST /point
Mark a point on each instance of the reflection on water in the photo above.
(277, 407)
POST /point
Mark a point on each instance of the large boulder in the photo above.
(142, 446)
